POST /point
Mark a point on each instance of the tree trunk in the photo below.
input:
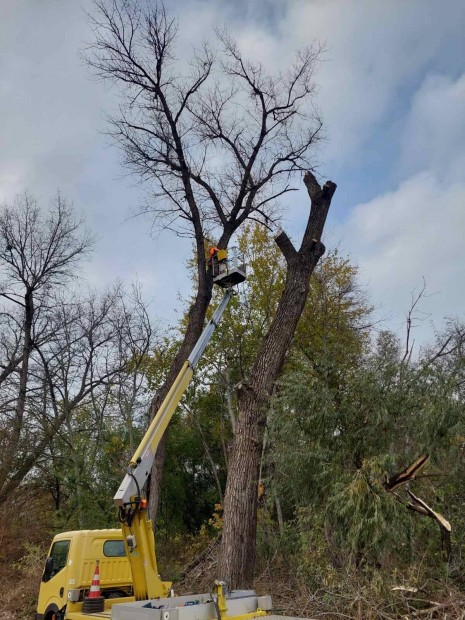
(77, 475)
(11, 452)
(238, 551)
(229, 402)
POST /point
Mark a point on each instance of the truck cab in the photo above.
(70, 566)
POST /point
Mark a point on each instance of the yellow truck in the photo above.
(131, 588)
(70, 567)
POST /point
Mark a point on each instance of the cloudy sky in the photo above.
(391, 89)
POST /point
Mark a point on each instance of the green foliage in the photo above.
(333, 330)
(32, 560)
(87, 467)
(335, 443)
(189, 491)
(365, 520)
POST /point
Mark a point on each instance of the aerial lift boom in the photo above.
(135, 524)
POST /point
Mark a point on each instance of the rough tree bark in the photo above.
(238, 546)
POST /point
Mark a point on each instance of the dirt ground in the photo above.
(18, 595)
(19, 591)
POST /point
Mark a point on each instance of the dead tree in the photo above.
(238, 544)
(39, 253)
(217, 141)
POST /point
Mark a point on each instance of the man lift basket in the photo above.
(227, 269)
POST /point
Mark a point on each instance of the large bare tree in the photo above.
(217, 139)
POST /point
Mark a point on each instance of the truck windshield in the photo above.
(59, 553)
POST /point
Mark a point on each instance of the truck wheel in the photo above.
(51, 613)
(116, 594)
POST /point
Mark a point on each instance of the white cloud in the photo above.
(374, 49)
(434, 135)
(414, 231)
(417, 230)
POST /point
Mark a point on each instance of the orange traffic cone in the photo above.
(94, 602)
(95, 587)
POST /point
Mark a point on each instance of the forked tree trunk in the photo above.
(238, 546)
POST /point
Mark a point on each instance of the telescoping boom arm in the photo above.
(135, 523)
(142, 461)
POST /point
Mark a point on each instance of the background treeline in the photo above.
(354, 406)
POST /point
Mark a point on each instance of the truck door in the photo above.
(53, 589)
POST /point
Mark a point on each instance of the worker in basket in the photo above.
(218, 260)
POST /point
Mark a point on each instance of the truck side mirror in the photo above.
(48, 569)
